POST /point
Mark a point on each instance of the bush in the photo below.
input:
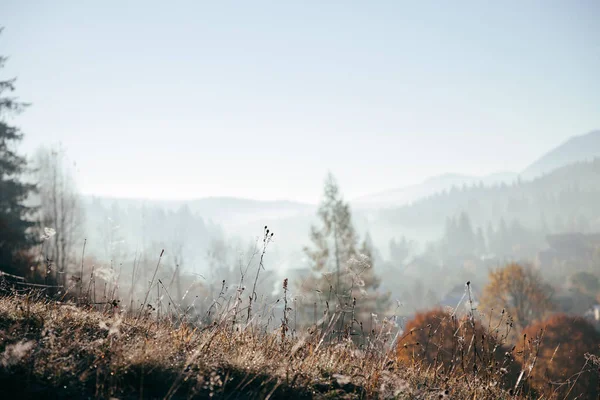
(445, 342)
(557, 347)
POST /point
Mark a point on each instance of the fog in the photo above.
(460, 139)
(457, 228)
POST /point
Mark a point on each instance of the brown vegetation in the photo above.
(520, 291)
(449, 344)
(52, 349)
(557, 348)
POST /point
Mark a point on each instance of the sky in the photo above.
(188, 99)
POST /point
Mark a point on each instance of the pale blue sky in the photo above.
(259, 99)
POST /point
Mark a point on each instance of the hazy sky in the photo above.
(259, 99)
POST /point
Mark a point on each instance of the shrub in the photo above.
(445, 342)
(557, 349)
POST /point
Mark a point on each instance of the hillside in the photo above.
(117, 227)
(58, 350)
(578, 148)
(217, 209)
(409, 194)
(565, 199)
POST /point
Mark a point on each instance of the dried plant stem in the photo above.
(152, 282)
(268, 236)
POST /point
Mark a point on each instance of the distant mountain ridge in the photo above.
(564, 200)
(406, 195)
(578, 148)
(223, 210)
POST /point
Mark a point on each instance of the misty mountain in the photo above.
(409, 194)
(564, 200)
(220, 210)
(244, 218)
(118, 227)
(578, 148)
(232, 210)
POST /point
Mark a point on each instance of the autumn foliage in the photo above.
(520, 291)
(558, 347)
(441, 340)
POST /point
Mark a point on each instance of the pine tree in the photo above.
(481, 244)
(491, 238)
(342, 275)
(334, 243)
(15, 233)
(466, 237)
(400, 250)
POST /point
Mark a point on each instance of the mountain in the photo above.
(222, 210)
(409, 194)
(564, 200)
(223, 206)
(578, 148)
(123, 226)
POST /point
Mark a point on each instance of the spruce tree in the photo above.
(342, 274)
(15, 233)
(334, 242)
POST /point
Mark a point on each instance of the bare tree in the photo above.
(59, 207)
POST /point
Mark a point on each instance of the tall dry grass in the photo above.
(78, 343)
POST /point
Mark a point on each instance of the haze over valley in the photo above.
(300, 200)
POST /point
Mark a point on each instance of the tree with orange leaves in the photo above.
(439, 338)
(520, 291)
(557, 348)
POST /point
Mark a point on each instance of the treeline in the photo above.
(116, 230)
(567, 199)
(461, 239)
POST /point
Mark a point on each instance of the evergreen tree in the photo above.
(15, 233)
(503, 239)
(367, 283)
(466, 237)
(341, 273)
(481, 243)
(334, 243)
(400, 250)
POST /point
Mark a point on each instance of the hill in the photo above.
(409, 194)
(218, 209)
(128, 223)
(578, 148)
(60, 350)
(567, 199)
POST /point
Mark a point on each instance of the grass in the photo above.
(59, 350)
(60, 345)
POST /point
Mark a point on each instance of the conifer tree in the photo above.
(342, 273)
(15, 233)
(334, 242)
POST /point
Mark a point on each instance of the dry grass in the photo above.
(55, 344)
(53, 349)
